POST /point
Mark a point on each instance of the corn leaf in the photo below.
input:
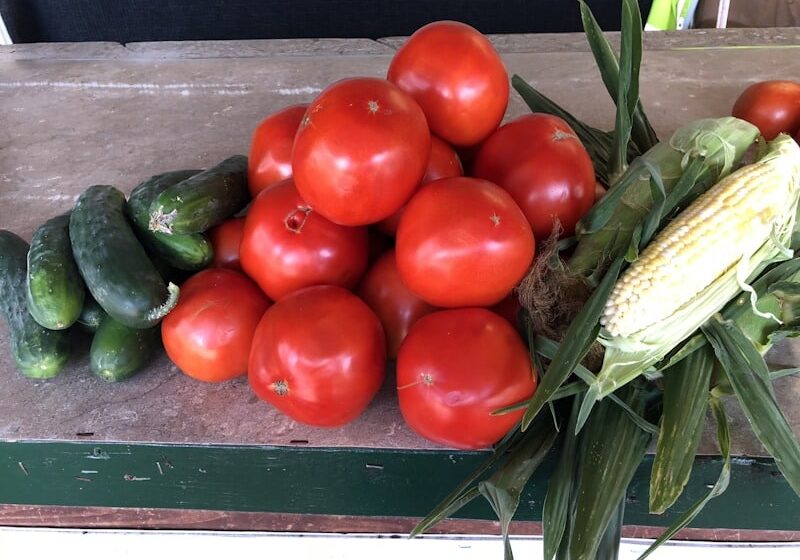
(779, 373)
(568, 390)
(724, 441)
(559, 489)
(642, 133)
(467, 490)
(612, 447)
(504, 488)
(654, 217)
(609, 543)
(686, 388)
(577, 340)
(630, 58)
(749, 377)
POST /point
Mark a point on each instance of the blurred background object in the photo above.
(124, 21)
(747, 13)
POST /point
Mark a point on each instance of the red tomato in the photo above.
(463, 242)
(773, 106)
(225, 238)
(454, 369)
(318, 356)
(361, 151)
(539, 160)
(287, 246)
(443, 162)
(394, 304)
(457, 77)
(508, 308)
(270, 158)
(209, 332)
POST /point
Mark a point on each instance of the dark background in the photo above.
(125, 21)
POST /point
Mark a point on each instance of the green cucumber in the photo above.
(113, 263)
(202, 201)
(54, 285)
(92, 314)
(39, 352)
(118, 351)
(184, 251)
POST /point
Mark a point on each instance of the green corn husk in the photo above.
(627, 357)
(699, 153)
(685, 401)
(611, 448)
(747, 374)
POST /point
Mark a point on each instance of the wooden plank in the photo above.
(13, 515)
(343, 482)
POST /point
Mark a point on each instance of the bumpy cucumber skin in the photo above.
(186, 252)
(55, 288)
(92, 314)
(118, 352)
(113, 263)
(202, 201)
(38, 352)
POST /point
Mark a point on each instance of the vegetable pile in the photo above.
(396, 219)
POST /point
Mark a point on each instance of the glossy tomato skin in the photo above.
(773, 106)
(395, 305)
(458, 78)
(226, 238)
(454, 369)
(208, 334)
(463, 242)
(443, 162)
(318, 356)
(287, 246)
(361, 151)
(270, 157)
(541, 162)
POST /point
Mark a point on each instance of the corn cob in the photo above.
(698, 263)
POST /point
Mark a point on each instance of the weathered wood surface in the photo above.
(79, 114)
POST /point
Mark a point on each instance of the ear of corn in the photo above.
(697, 264)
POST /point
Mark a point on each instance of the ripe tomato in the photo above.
(318, 356)
(443, 162)
(361, 151)
(209, 332)
(270, 158)
(463, 242)
(287, 246)
(457, 77)
(225, 238)
(773, 106)
(540, 161)
(454, 369)
(394, 304)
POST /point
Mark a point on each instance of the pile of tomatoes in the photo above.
(773, 106)
(392, 219)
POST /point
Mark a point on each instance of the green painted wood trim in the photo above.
(337, 481)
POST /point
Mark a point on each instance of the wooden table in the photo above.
(162, 450)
